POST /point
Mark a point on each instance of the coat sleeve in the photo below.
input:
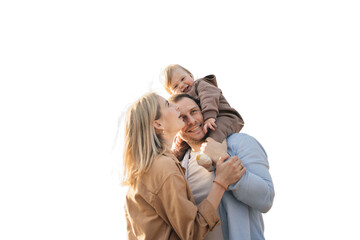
(255, 188)
(187, 220)
(209, 96)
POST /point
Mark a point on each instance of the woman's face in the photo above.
(170, 119)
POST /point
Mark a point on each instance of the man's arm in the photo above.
(255, 188)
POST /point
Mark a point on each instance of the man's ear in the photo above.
(158, 126)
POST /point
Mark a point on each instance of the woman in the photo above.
(159, 203)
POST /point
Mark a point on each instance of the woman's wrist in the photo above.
(221, 183)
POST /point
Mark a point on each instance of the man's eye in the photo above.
(175, 86)
(182, 79)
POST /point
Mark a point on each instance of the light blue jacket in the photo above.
(244, 202)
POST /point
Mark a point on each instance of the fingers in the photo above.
(242, 169)
(213, 125)
(209, 125)
(240, 164)
(205, 128)
(242, 172)
(234, 160)
(237, 164)
(222, 159)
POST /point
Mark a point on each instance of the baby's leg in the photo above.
(224, 147)
(225, 127)
(208, 162)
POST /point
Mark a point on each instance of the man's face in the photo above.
(194, 121)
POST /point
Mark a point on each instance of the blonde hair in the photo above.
(168, 74)
(142, 143)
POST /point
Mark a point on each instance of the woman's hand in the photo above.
(230, 171)
(226, 173)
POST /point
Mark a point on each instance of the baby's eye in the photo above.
(183, 79)
(175, 87)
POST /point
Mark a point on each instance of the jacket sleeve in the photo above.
(255, 188)
(209, 96)
(130, 233)
(187, 220)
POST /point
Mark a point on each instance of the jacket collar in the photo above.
(172, 156)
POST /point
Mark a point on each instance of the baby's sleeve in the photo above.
(209, 96)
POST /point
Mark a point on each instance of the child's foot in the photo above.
(205, 161)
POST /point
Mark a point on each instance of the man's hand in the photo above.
(214, 149)
(209, 123)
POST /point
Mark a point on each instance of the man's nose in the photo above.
(190, 120)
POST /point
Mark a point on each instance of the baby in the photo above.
(219, 117)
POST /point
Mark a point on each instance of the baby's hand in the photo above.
(209, 123)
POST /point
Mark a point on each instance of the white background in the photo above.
(69, 69)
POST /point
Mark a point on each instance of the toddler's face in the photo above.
(181, 81)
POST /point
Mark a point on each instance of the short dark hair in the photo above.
(177, 97)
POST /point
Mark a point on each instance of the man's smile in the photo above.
(195, 129)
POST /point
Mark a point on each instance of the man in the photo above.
(242, 205)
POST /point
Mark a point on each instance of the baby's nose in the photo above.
(182, 86)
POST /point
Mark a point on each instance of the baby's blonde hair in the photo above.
(168, 74)
(142, 143)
